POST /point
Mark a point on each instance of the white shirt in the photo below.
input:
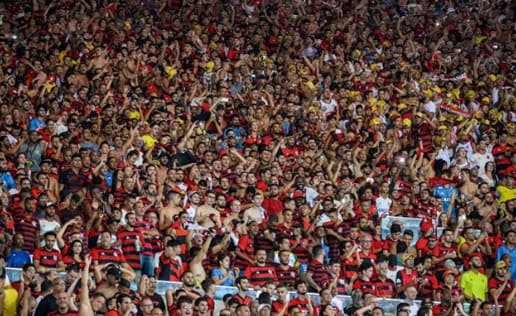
(383, 205)
(481, 160)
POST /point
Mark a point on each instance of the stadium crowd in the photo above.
(257, 144)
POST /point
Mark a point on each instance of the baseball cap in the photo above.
(500, 264)
(407, 256)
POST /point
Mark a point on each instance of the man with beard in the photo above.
(471, 246)
(242, 284)
(194, 201)
(132, 243)
(286, 274)
(302, 300)
(150, 292)
(260, 273)
(473, 282)
(423, 208)
(188, 285)
(109, 288)
(256, 212)
(124, 305)
(174, 207)
(151, 198)
(207, 215)
(17, 256)
(501, 285)
(47, 258)
(271, 204)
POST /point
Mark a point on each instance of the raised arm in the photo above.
(85, 308)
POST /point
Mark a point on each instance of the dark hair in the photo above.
(365, 265)
(401, 306)
(50, 233)
(317, 250)
(69, 251)
(239, 280)
(201, 299)
(182, 300)
(206, 284)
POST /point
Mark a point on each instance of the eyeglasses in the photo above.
(147, 305)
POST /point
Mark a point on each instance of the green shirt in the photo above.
(474, 284)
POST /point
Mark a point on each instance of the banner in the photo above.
(455, 111)
(460, 77)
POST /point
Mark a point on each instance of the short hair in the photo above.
(240, 306)
(120, 298)
(402, 306)
(50, 233)
(239, 280)
(365, 265)
(317, 250)
(182, 300)
(201, 299)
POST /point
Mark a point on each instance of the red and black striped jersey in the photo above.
(494, 283)
(259, 275)
(169, 269)
(429, 285)
(132, 247)
(301, 249)
(29, 228)
(108, 256)
(404, 187)
(365, 286)
(320, 274)
(455, 290)
(246, 245)
(424, 210)
(441, 250)
(385, 289)
(342, 229)
(243, 300)
(288, 276)
(48, 259)
(424, 134)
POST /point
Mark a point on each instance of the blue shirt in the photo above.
(35, 123)
(217, 272)
(440, 191)
(8, 181)
(17, 259)
(502, 251)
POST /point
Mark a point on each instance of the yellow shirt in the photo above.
(474, 284)
(10, 300)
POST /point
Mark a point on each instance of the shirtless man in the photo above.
(100, 61)
(109, 288)
(256, 212)
(174, 207)
(468, 188)
(207, 215)
(198, 254)
(194, 199)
